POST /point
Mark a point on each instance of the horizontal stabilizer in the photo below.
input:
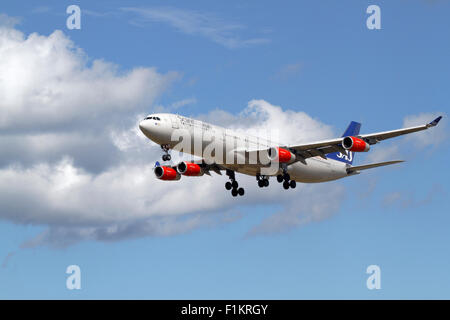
(372, 165)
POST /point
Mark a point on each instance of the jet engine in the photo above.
(166, 173)
(355, 144)
(283, 155)
(189, 169)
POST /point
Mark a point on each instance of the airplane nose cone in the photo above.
(145, 127)
(149, 129)
(141, 126)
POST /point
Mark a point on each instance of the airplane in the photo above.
(221, 149)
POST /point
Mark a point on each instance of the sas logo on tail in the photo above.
(347, 157)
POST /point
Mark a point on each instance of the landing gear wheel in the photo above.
(286, 185)
(266, 182)
(166, 156)
(293, 184)
(261, 183)
(286, 177)
(233, 185)
(280, 178)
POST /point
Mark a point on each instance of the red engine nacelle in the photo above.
(355, 144)
(283, 155)
(166, 173)
(189, 169)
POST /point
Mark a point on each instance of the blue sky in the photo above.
(313, 57)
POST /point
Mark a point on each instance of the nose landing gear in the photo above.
(166, 156)
(233, 185)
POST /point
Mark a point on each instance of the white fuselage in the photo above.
(166, 129)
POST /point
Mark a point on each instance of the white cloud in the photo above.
(196, 23)
(126, 200)
(407, 148)
(316, 203)
(8, 21)
(48, 83)
(56, 101)
(71, 162)
(432, 137)
(174, 106)
(380, 153)
(402, 149)
(29, 148)
(56, 109)
(66, 195)
(182, 103)
(261, 117)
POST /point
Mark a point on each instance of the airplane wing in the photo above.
(211, 167)
(376, 137)
(322, 148)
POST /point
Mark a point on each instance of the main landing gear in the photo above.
(263, 181)
(233, 185)
(166, 156)
(285, 178)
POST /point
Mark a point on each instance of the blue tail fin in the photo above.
(352, 130)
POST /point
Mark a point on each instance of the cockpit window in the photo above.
(154, 118)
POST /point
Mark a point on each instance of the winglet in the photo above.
(157, 164)
(434, 122)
